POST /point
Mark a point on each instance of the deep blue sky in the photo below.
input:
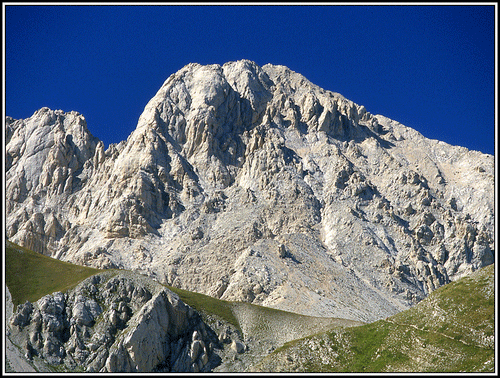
(431, 68)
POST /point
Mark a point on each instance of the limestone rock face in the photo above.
(251, 183)
(48, 158)
(114, 323)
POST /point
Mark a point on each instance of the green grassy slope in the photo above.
(450, 331)
(259, 321)
(463, 310)
(30, 275)
(208, 305)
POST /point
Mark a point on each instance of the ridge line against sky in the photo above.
(429, 67)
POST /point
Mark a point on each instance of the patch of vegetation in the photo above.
(464, 309)
(377, 348)
(30, 275)
(411, 341)
(207, 305)
(381, 347)
(365, 343)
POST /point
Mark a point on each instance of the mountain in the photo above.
(250, 183)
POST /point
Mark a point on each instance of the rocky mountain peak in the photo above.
(251, 183)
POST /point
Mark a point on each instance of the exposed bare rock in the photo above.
(237, 346)
(251, 183)
(107, 324)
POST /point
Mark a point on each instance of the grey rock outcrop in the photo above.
(237, 346)
(251, 183)
(114, 323)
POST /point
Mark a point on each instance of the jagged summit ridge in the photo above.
(251, 183)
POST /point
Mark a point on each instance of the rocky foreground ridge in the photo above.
(251, 183)
(115, 323)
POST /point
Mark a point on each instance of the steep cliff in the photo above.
(251, 183)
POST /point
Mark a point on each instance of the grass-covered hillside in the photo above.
(452, 330)
(30, 275)
(463, 310)
(208, 306)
